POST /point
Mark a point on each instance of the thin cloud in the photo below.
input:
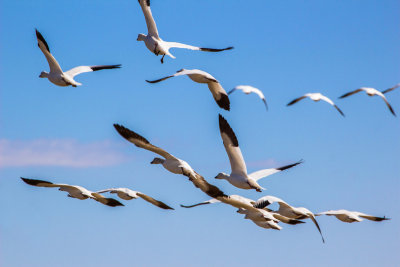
(59, 152)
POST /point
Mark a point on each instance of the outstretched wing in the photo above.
(351, 93)
(326, 99)
(372, 218)
(264, 173)
(106, 201)
(151, 24)
(53, 64)
(391, 89)
(231, 145)
(387, 103)
(211, 201)
(191, 47)
(296, 100)
(317, 225)
(154, 201)
(82, 69)
(141, 142)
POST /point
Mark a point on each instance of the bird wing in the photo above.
(351, 93)
(285, 219)
(154, 201)
(178, 73)
(312, 217)
(211, 201)
(107, 190)
(82, 69)
(106, 201)
(251, 89)
(387, 103)
(42, 183)
(191, 47)
(372, 218)
(53, 64)
(391, 89)
(219, 94)
(326, 99)
(266, 172)
(231, 145)
(296, 100)
(141, 142)
(151, 24)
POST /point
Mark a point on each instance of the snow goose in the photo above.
(247, 89)
(199, 76)
(247, 207)
(316, 97)
(128, 194)
(239, 176)
(371, 92)
(351, 216)
(170, 162)
(155, 44)
(391, 89)
(285, 209)
(56, 75)
(75, 191)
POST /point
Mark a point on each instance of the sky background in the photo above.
(285, 48)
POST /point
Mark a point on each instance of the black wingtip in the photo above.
(126, 133)
(105, 67)
(224, 102)
(34, 182)
(215, 49)
(289, 166)
(40, 37)
(113, 202)
(224, 127)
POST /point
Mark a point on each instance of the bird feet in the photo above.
(162, 59)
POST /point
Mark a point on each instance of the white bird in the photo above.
(351, 216)
(391, 89)
(316, 97)
(128, 194)
(247, 89)
(239, 176)
(287, 210)
(155, 44)
(75, 191)
(246, 206)
(370, 92)
(170, 162)
(56, 75)
(199, 76)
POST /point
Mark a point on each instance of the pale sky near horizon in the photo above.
(286, 49)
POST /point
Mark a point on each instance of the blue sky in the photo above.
(285, 48)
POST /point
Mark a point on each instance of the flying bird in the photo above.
(128, 194)
(155, 44)
(289, 211)
(247, 89)
(247, 207)
(75, 191)
(371, 92)
(199, 76)
(351, 216)
(391, 89)
(56, 75)
(316, 97)
(169, 162)
(239, 176)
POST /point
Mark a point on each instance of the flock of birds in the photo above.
(254, 210)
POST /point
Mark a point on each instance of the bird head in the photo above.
(141, 37)
(222, 175)
(43, 74)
